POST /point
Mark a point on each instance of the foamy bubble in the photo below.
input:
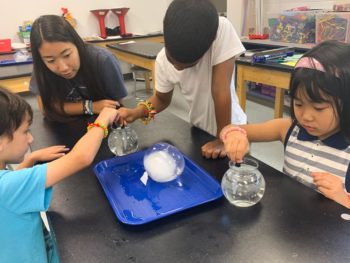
(160, 166)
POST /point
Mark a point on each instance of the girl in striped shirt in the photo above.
(317, 136)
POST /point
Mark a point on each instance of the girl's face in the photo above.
(319, 119)
(13, 151)
(62, 58)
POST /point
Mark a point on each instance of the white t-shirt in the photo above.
(195, 82)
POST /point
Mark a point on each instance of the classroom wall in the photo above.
(143, 17)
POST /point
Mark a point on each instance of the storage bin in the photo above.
(333, 26)
(294, 27)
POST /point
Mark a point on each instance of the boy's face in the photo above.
(178, 65)
(319, 119)
(62, 58)
(13, 151)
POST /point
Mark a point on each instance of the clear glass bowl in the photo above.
(163, 162)
(122, 141)
(243, 185)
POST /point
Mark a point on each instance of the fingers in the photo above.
(222, 154)
(213, 149)
(324, 183)
(58, 149)
(99, 105)
(117, 106)
(236, 150)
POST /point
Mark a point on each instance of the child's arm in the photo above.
(221, 93)
(43, 155)
(222, 76)
(159, 101)
(332, 187)
(272, 130)
(237, 143)
(84, 151)
(77, 108)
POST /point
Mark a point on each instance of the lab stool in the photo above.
(146, 73)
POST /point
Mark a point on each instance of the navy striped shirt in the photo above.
(305, 153)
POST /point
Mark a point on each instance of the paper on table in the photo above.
(292, 60)
(289, 63)
(127, 42)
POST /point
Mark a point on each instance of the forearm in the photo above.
(272, 130)
(81, 156)
(222, 104)
(160, 101)
(74, 108)
(221, 93)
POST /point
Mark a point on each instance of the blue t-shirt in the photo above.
(22, 197)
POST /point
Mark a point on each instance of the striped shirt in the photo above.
(305, 153)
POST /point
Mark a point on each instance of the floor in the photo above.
(270, 153)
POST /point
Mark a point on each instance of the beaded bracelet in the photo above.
(87, 107)
(149, 112)
(96, 124)
(226, 131)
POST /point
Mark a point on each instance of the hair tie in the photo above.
(309, 62)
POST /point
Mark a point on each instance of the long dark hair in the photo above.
(334, 82)
(52, 28)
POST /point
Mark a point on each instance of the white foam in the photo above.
(161, 166)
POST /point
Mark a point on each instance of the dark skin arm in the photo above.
(221, 82)
(159, 100)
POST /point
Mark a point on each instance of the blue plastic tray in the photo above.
(135, 203)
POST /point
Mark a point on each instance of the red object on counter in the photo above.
(5, 45)
(257, 36)
(120, 13)
(100, 14)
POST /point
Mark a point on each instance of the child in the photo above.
(71, 77)
(199, 54)
(28, 190)
(316, 138)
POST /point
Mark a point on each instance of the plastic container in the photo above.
(294, 27)
(333, 26)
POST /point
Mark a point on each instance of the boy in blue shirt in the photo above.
(28, 190)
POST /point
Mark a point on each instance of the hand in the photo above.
(108, 116)
(43, 155)
(236, 146)
(213, 149)
(97, 106)
(332, 187)
(128, 115)
(48, 154)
